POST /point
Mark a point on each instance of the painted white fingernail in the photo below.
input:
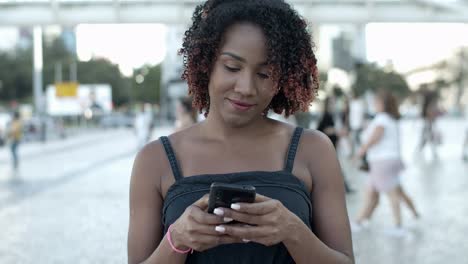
(220, 229)
(245, 240)
(218, 211)
(227, 219)
(235, 206)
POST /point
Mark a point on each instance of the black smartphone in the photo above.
(224, 194)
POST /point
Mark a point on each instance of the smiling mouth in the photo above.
(239, 105)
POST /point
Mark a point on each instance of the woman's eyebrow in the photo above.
(239, 58)
(234, 56)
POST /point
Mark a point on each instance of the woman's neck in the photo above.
(217, 129)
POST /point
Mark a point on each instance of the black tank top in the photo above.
(280, 185)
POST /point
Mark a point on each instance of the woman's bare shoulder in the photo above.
(180, 138)
(318, 148)
(151, 163)
(313, 136)
(155, 153)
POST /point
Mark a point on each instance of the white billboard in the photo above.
(88, 96)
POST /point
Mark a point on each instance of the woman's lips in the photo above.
(239, 105)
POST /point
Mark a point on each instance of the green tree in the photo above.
(55, 52)
(88, 72)
(103, 71)
(146, 84)
(16, 68)
(16, 75)
(370, 77)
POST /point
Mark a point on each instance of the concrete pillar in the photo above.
(171, 67)
(37, 70)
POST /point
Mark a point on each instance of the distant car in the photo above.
(116, 120)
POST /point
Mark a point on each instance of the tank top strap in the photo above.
(293, 149)
(171, 157)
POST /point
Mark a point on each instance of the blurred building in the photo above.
(341, 53)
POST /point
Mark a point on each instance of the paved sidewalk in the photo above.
(71, 205)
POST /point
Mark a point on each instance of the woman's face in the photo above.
(241, 85)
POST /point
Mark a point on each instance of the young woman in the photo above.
(242, 59)
(382, 146)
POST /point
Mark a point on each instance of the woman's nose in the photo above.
(245, 85)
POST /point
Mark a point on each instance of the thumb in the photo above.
(261, 198)
(202, 203)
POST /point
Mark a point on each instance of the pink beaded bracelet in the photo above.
(172, 244)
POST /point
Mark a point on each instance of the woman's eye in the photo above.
(231, 69)
(263, 75)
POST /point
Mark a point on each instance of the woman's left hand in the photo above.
(266, 221)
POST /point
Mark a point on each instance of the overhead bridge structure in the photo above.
(73, 12)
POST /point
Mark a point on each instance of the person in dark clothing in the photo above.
(242, 59)
(327, 122)
(346, 131)
(327, 126)
(430, 113)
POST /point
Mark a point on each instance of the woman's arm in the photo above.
(194, 229)
(145, 229)
(376, 135)
(330, 241)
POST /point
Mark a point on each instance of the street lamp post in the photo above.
(37, 78)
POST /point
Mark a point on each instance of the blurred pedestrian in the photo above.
(429, 134)
(381, 142)
(327, 121)
(345, 140)
(149, 112)
(357, 114)
(239, 65)
(328, 127)
(15, 133)
(2, 138)
(186, 115)
(142, 126)
(465, 142)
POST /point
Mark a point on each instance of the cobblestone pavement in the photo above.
(70, 204)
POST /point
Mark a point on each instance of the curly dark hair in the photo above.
(289, 50)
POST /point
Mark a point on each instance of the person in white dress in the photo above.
(381, 144)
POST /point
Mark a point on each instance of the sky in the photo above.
(407, 46)
(130, 45)
(412, 45)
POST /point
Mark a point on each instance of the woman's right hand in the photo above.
(195, 228)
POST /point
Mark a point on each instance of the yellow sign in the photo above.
(66, 89)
